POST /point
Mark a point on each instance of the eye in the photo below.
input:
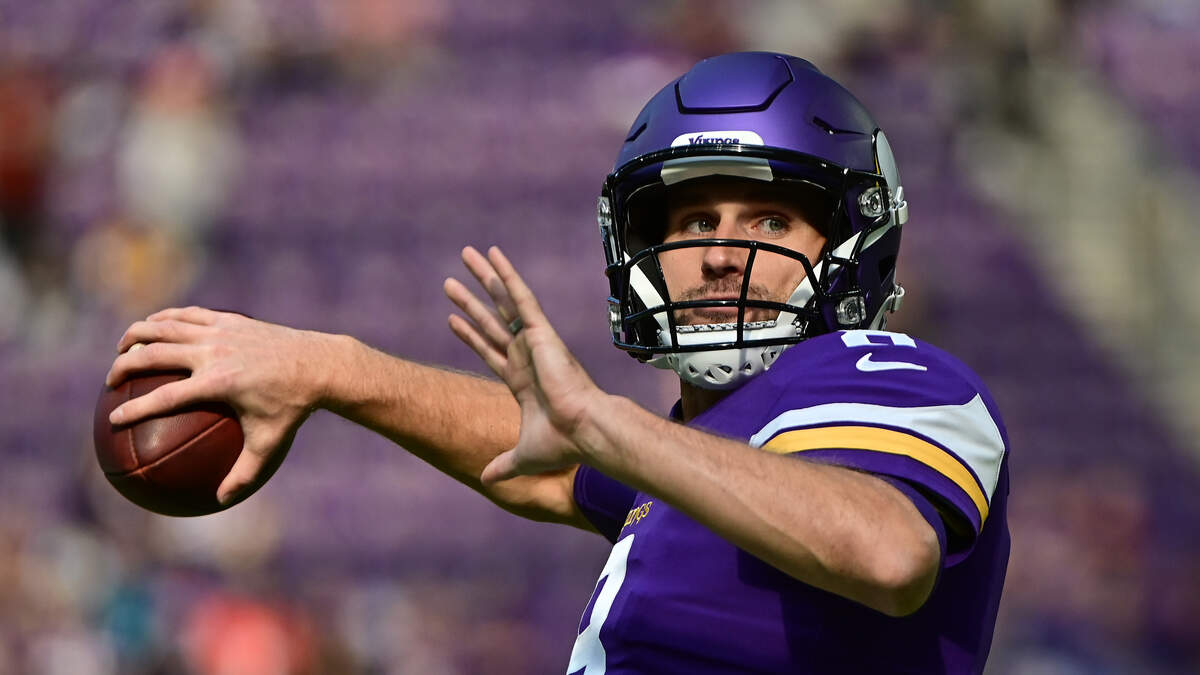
(698, 225)
(773, 225)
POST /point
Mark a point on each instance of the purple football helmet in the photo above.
(753, 116)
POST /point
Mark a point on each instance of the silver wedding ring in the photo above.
(515, 325)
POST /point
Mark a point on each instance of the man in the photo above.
(826, 496)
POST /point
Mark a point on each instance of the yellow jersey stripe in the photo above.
(883, 440)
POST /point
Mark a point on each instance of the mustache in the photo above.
(725, 287)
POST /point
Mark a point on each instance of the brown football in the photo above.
(171, 464)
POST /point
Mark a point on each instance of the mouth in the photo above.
(722, 314)
(718, 308)
(719, 314)
(714, 314)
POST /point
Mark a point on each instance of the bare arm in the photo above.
(275, 376)
(847, 532)
(455, 421)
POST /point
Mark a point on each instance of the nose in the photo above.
(723, 261)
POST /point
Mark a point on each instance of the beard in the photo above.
(729, 288)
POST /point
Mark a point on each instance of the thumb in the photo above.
(501, 468)
(245, 471)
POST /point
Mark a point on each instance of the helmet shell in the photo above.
(765, 116)
(784, 99)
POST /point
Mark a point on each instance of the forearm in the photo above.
(846, 532)
(455, 421)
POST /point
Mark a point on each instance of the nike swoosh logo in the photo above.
(866, 365)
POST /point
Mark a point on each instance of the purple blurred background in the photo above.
(321, 163)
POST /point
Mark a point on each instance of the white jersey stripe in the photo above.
(967, 430)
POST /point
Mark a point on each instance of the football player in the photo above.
(826, 496)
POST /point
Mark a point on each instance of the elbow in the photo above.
(547, 498)
(904, 580)
(905, 599)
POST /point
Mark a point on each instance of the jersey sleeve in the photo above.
(885, 404)
(604, 501)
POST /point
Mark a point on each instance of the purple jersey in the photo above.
(676, 598)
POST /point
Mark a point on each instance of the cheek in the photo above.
(779, 276)
(809, 242)
(680, 269)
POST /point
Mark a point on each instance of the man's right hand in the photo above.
(273, 377)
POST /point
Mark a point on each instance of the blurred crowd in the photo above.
(321, 162)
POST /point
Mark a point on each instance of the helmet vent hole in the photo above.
(636, 132)
(748, 368)
(725, 369)
(692, 370)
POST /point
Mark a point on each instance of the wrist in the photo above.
(596, 435)
(331, 358)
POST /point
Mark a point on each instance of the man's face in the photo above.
(728, 208)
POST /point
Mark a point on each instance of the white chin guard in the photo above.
(720, 370)
(723, 369)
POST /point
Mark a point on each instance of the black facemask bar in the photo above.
(642, 324)
(635, 328)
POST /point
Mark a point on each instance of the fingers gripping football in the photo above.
(269, 375)
(162, 330)
(264, 449)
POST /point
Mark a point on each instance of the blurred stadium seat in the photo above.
(365, 161)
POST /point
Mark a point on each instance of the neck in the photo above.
(694, 400)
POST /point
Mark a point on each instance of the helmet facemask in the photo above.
(659, 325)
(755, 116)
(716, 343)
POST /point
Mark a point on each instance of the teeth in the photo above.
(713, 327)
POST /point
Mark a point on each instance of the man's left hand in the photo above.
(516, 340)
